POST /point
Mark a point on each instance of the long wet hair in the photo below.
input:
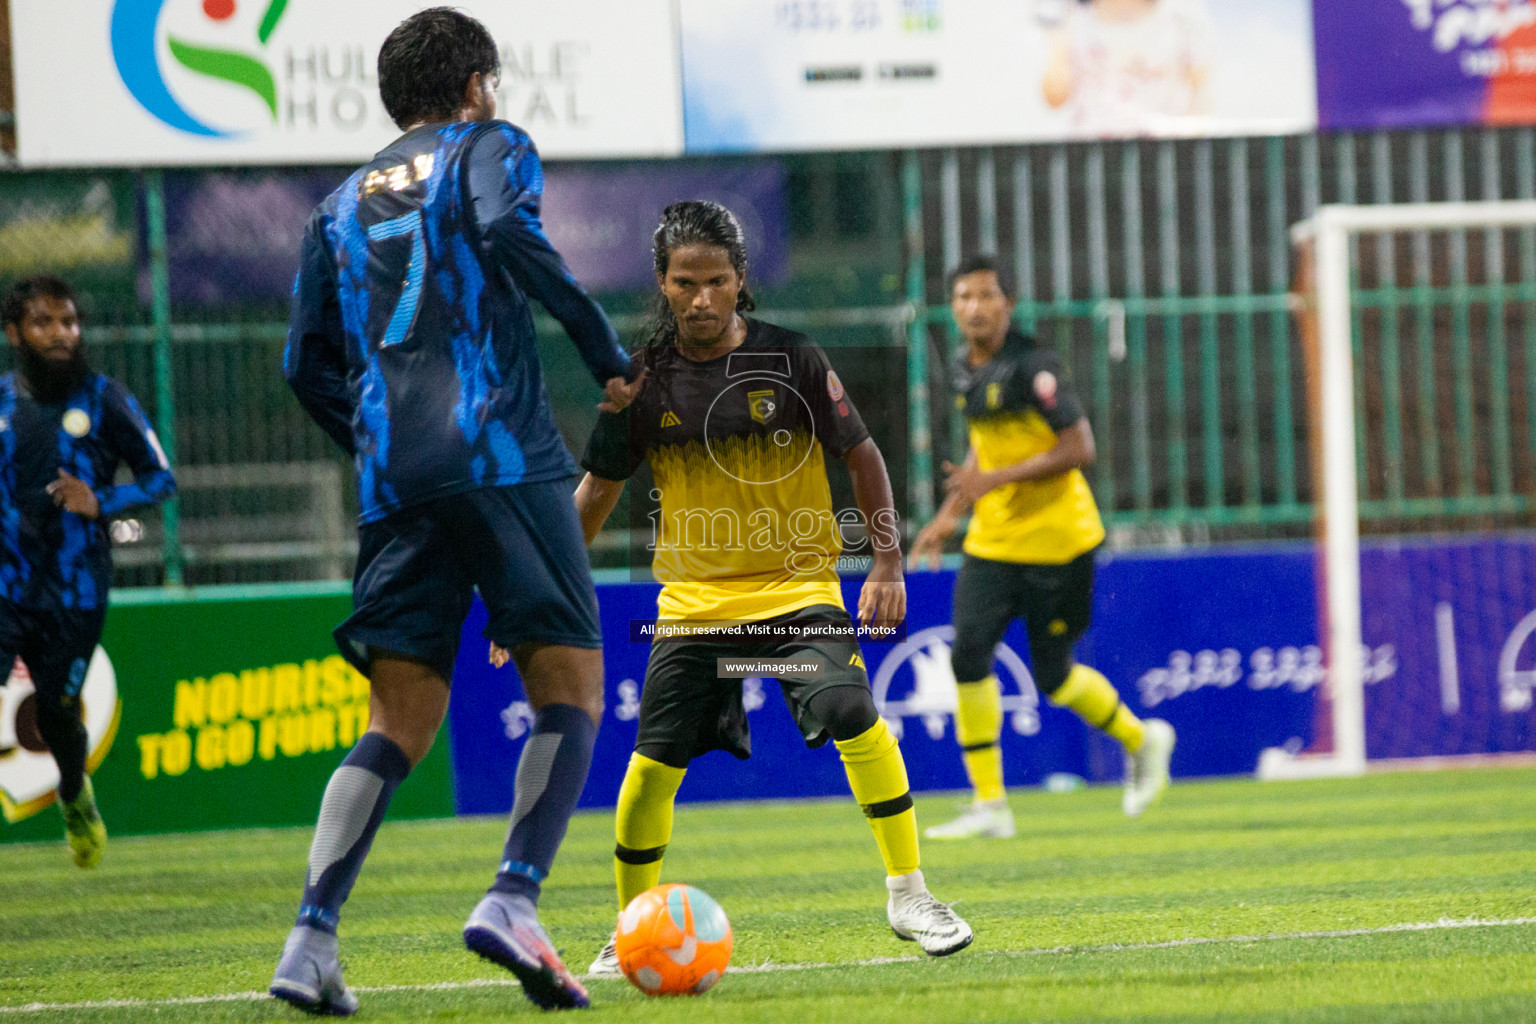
(695, 222)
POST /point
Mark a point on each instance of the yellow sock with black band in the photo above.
(878, 777)
(1096, 702)
(978, 727)
(643, 824)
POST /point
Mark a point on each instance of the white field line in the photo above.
(1443, 924)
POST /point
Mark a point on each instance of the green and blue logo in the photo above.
(135, 32)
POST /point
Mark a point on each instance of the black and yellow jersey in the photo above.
(745, 527)
(1016, 403)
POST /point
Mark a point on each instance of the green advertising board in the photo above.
(218, 708)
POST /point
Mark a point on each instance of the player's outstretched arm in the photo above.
(126, 429)
(1073, 450)
(314, 361)
(929, 546)
(883, 598)
(618, 393)
(506, 183)
(595, 499)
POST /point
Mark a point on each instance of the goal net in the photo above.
(1418, 322)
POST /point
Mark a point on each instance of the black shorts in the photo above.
(688, 710)
(56, 645)
(418, 568)
(1054, 601)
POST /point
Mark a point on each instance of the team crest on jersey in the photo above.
(1045, 388)
(834, 386)
(77, 423)
(994, 396)
(762, 405)
(669, 419)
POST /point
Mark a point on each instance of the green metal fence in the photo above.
(1160, 270)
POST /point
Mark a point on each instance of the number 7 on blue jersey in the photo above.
(414, 274)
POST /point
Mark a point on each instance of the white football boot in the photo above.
(505, 929)
(915, 916)
(984, 819)
(607, 963)
(1146, 771)
(309, 976)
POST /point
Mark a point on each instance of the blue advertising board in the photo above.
(1222, 643)
(1450, 662)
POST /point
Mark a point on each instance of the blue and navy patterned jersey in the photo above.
(53, 559)
(412, 341)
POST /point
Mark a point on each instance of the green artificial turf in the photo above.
(1067, 915)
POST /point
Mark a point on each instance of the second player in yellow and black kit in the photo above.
(1028, 552)
(736, 419)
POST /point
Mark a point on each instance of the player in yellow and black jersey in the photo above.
(1028, 552)
(736, 419)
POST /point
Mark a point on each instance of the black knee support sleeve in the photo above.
(970, 659)
(1053, 661)
(845, 711)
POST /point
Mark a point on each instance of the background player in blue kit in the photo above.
(64, 431)
(412, 344)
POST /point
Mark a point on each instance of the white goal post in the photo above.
(1328, 234)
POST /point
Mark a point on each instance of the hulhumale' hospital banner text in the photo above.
(130, 82)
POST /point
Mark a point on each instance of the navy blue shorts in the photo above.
(56, 645)
(418, 568)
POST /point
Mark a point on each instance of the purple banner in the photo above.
(1221, 643)
(1454, 658)
(601, 218)
(234, 237)
(1413, 63)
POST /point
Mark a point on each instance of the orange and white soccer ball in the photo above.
(673, 940)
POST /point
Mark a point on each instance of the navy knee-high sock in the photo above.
(355, 801)
(550, 775)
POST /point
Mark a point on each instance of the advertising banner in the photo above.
(1164, 633)
(199, 719)
(1223, 644)
(1422, 63)
(234, 235)
(808, 74)
(207, 714)
(77, 224)
(1450, 658)
(601, 218)
(490, 717)
(162, 82)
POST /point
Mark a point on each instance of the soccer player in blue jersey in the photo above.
(412, 344)
(64, 431)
